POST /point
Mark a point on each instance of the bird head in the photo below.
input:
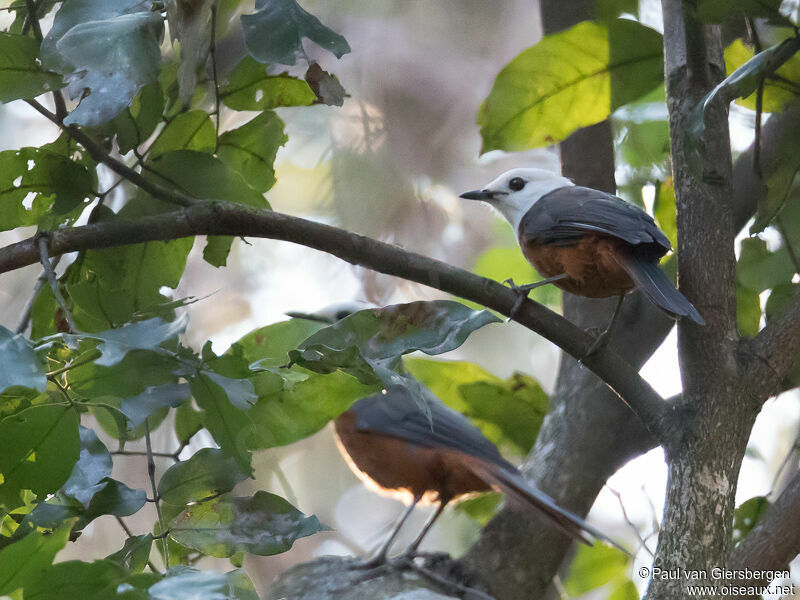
(517, 190)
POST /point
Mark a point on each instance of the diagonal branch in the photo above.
(771, 355)
(775, 540)
(224, 218)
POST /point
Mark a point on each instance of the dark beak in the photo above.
(478, 195)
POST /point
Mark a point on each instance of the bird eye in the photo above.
(516, 184)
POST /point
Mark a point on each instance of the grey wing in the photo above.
(567, 213)
(398, 415)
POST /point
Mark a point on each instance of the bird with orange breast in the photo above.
(435, 456)
(586, 242)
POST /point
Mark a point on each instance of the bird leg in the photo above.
(412, 549)
(523, 290)
(604, 336)
(380, 558)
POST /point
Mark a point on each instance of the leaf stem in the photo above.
(95, 354)
(151, 472)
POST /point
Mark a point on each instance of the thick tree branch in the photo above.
(772, 354)
(222, 218)
(775, 540)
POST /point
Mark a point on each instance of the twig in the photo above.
(77, 363)
(97, 153)
(446, 584)
(212, 49)
(58, 99)
(628, 521)
(142, 453)
(151, 472)
(28, 313)
(759, 103)
(791, 453)
(51, 278)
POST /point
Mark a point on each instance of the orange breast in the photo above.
(590, 264)
(390, 463)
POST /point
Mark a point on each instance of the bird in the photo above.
(438, 457)
(586, 242)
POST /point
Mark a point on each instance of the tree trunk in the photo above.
(705, 457)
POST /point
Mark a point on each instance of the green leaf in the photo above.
(134, 554)
(740, 84)
(508, 412)
(24, 561)
(758, 269)
(108, 52)
(191, 130)
(778, 298)
(608, 10)
(270, 346)
(717, 11)
(665, 210)
(481, 508)
(263, 524)
(154, 398)
(140, 335)
(594, 566)
(747, 515)
(231, 428)
(75, 579)
(134, 125)
(188, 422)
(19, 365)
(748, 311)
(273, 34)
(626, 590)
(21, 75)
(207, 474)
(250, 87)
(206, 178)
(290, 413)
(92, 467)
(36, 182)
(550, 90)
(40, 448)
(115, 498)
(251, 149)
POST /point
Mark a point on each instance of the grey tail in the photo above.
(525, 493)
(649, 278)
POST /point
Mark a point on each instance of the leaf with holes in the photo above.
(21, 75)
(569, 80)
(250, 87)
(263, 524)
(35, 183)
(275, 32)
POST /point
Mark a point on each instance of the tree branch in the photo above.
(774, 542)
(223, 218)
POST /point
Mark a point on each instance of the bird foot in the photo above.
(522, 292)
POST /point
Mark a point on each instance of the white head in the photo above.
(515, 191)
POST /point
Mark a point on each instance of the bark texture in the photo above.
(705, 456)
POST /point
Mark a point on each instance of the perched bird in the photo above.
(586, 242)
(391, 444)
